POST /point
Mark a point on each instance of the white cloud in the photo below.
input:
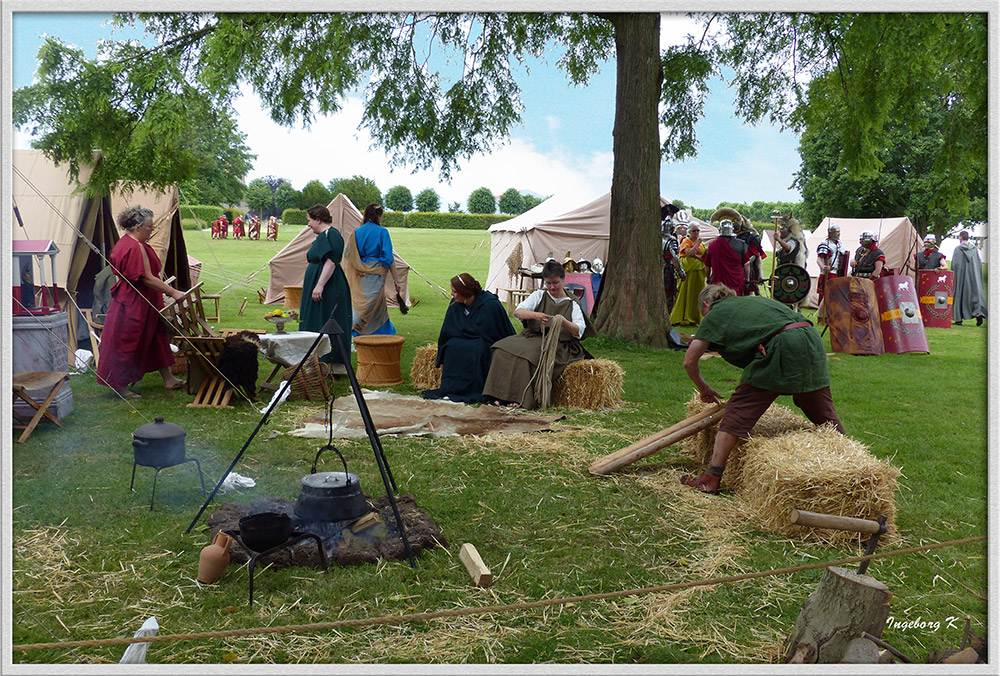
(335, 147)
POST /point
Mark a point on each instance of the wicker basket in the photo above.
(180, 364)
(293, 297)
(378, 360)
(310, 383)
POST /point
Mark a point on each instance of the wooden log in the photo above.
(843, 605)
(860, 651)
(966, 656)
(479, 571)
(803, 518)
(660, 440)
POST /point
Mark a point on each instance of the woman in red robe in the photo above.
(134, 340)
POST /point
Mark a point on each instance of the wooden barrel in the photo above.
(378, 360)
(293, 297)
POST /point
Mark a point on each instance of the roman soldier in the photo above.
(930, 258)
(832, 258)
(790, 242)
(670, 261)
(753, 270)
(726, 259)
(869, 260)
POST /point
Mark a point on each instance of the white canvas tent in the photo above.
(557, 225)
(288, 267)
(898, 239)
(51, 208)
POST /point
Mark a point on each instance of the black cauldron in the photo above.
(159, 444)
(331, 496)
(262, 531)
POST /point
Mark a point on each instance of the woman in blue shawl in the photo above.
(475, 320)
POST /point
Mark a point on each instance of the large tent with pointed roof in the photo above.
(51, 207)
(557, 225)
(288, 266)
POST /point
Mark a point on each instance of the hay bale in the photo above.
(777, 420)
(591, 384)
(424, 375)
(818, 470)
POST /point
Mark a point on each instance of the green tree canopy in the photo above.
(481, 201)
(285, 197)
(454, 208)
(530, 201)
(511, 202)
(259, 196)
(360, 190)
(312, 193)
(399, 198)
(428, 200)
(182, 135)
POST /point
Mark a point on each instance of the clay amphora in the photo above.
(214, 558)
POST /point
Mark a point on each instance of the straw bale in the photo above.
(818, 470)
(591, 384)
(777, 420)
(424, 375)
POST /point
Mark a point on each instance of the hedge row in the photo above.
(439, 220)
(294, 217)
(203, 212)
(394, 219)
(233, 212)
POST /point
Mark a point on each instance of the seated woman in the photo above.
(475, 319)
(512, 378)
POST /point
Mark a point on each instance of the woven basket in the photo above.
(180, 364)
(310, 383)
(378, 360)
(293, 297)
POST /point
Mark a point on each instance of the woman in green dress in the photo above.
(324, 289)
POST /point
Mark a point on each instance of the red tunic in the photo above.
(725, 264)
(134, 340)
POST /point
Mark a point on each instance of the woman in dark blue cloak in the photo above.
(474, 321)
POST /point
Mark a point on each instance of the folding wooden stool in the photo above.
(37, 380)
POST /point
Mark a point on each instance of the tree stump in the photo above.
(843, 605)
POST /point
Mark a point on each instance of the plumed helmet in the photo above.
(930, 239)
(868, 236)
(726, 228)
(833, 228)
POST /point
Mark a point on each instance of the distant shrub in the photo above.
(394, 219)
(450, 221)
(193, 224)
(294, 217)
(203, 212)
(233, 212)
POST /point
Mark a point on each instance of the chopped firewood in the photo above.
(480, 573)
(967, 656)
(365, 522)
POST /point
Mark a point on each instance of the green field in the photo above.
(91, 561)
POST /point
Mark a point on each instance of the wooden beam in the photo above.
(800, 517)
(479, 571)
(660, 440)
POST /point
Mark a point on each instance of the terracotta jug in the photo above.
(214, 558)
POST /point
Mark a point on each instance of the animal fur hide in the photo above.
(238, 361)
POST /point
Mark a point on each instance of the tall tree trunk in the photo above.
(633, 306)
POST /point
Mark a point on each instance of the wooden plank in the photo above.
(660, 440)
(479, 571)
(801, 517)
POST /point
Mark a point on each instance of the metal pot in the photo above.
(262, 531)
(159, 444)
(330, 496)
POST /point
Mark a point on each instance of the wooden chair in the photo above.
(217, 317)
(202, 346)
(27, 381)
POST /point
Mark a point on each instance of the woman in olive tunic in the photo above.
(324, 288)
(780, 353)
(515, 358)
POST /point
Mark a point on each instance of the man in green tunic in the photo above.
(779, 352)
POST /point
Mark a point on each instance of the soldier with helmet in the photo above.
(869, 260)
(832, 258)
(930, 258)
(726, 257)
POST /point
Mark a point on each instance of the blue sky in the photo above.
(563, 146)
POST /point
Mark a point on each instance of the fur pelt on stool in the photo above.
(238, 361)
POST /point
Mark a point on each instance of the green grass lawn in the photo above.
(90, 560)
